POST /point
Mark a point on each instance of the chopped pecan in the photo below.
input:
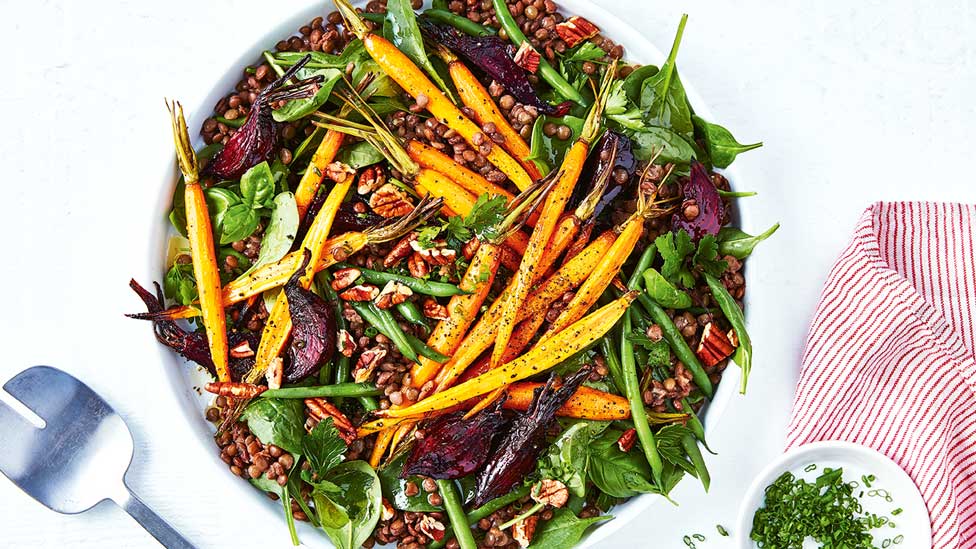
(343, 278)
(470, 248)
(524, 529)
(275, 371)
(387, 512)
(345, 343)
(400, 251)
(371, 179)
(235, 389)
(242, 350)
(550, 492)
(438, 254)
(361, 292)
(337, 171)
(390, 201)
(431, 527)
(714, 346)
(527, 58)
(394, 293)
(319, 408)
(626, 440)
(367, 363)
(433, 309)
(417, 266)
(576, 29)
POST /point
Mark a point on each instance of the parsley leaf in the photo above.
(674, 248)
(706, 257)
(488, 211)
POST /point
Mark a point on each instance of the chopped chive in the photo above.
(721, 530)
(897, 512)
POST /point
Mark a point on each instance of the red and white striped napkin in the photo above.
(889, 360)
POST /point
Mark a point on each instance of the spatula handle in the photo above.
(153, 523)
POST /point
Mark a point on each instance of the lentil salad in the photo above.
(464, 277)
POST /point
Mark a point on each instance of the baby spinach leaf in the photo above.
(280, 234)
(219, 200)
(394, 488)
(300, 108)
(323, 448)
(405, 35)
(663, 97)
(663, 143)
(663, 292)
(331, 515)
(277, 421)
(358, 495)
(179, 284)
(238, 222)
(635, 80)
(258, 186)
(740, 244)
(706, 257)
(722, 147)
(359, 155)
(564, 530)
(617, 473)
(568, 458)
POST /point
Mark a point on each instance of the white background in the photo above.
(855, 104)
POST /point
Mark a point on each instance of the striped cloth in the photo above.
(889, 359)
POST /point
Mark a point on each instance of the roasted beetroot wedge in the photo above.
(314, 328)
(518, 452)
(711, 210)
(453, 447)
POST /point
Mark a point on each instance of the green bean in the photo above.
(732, 312)
(459, 22)
(323, 280)
(485, 511)
(637, 412)
(427, 287)
(235, 123)
(643, 263)
(439, 5)
(411, 313)
(338, 390)
(386, 325)
(326, 372)
(369, 403)
(452, 504)
(545, 70)
(690, 445)
(423, 349)
(613, 363)
(678, 344)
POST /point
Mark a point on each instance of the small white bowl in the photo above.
(856, 460)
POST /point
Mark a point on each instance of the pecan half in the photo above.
(715, 346)
(337, 171)
(417, 266)
(431, 527)
(367, 363)
(394, 293)
(527, 58)
(235, 389)
(390, 201)
(242, 350)
(550, 492)
(438, 254)
(400, 251)
(524, 529)
(319, 408)
(274, 373)
(576, 29)
(626, 440)
(387, 512)
(370, 179)
(433, 309)
(343, 278)
(345, 343)
(470, 248)
(361, 292)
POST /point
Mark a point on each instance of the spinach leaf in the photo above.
(323, 448)
(740, 244)
(300, 108)
(258, 186)
(663, 97)
(219, 200)
(330, 514)
(405, 35)
(664, 292)
(722, 147)
(394, 488)
(632, 84)
(236, 217)
(564, 530)
(568, 458)
(277, 421)
(617, 473)
(179, 284)
(238, 222)
(280, 234)
(359, 155)
(674, 248)
(358, 496)
(667, 145)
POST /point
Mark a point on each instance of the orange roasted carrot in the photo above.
(311, 180)
(586, 403)
(569, 172)
(383, 440)
(202, 251)
(429, 157)
(476, 97)
(404, 72)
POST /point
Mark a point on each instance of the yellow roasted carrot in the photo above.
(202, 250)
(541, 358)
(311, 180)
(383, 440)
(404, 72)
(569, 172)
(429, 157)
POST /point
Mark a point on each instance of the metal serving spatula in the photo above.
(81, 455)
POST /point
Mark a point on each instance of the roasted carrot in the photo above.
(202, 251)
(541, 358)
(474, 96)
(383, 440)
(412, 79)
(569, 172)
(277, 327)
(308, 187)
(429, 157)
(586, 403)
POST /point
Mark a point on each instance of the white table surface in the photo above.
(855, 104)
